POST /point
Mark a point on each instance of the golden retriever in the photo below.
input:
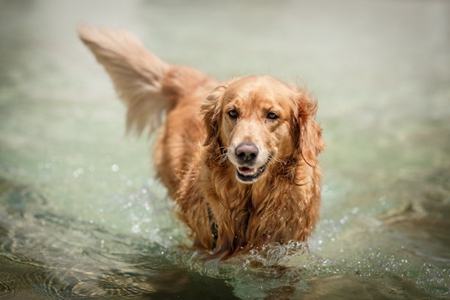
(239, 158)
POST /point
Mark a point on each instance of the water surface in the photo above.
(81, 216)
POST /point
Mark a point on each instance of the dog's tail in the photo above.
(147, 85)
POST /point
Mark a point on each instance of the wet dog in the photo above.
(240, 158)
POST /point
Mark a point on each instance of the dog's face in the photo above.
(255, 124)
(257, 121)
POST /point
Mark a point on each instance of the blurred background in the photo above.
(82, 217)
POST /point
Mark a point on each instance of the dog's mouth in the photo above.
(249, 175)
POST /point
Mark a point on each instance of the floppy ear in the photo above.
(212, 118)
(212, 114)
(307, 133)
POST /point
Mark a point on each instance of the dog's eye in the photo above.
(272, 116)
(233, 114)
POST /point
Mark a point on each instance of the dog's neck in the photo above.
(250, 208)
(290, 171)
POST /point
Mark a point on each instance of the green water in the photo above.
(82, 218)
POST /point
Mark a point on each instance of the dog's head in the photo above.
(257, 121)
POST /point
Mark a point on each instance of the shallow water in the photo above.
(81, 216)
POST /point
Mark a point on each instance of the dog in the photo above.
(239, 158)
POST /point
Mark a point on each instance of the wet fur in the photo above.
(226, 216)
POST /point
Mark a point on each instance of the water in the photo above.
(81, 217)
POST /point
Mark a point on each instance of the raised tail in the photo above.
(146, 84)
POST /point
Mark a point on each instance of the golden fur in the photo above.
(239, 158)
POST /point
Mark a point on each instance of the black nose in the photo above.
(246, 152)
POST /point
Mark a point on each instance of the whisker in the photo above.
(223, 156)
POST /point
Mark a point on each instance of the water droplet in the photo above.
(115, 168)
(78, 172)
(136, 228)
